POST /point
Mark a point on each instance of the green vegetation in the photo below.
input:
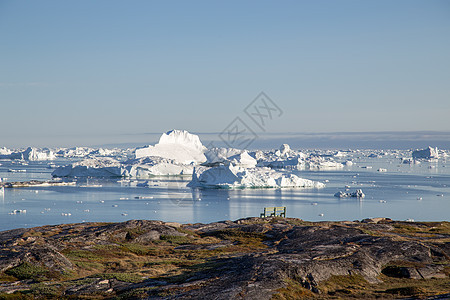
(185, 259)
(176, 240)
(125, 277)
(28, 271)
(292, 290)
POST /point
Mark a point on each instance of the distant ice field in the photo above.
(403, 191)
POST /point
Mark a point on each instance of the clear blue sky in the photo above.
(77, 71)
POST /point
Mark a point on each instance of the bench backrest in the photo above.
(277, 209)
(274, 211)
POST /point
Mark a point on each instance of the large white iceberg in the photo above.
(32, 154)
(229, 176)
(92, 167)
(179, 145)
(109, 167)
(5, 151)
(427, 153)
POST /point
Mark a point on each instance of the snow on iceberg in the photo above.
(237, 157)
(178, 145)
(229, 176)
(427, 153)
(220, 155)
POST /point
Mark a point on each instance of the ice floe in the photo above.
(356, 194)
(230, 176)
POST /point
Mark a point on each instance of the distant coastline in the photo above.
(324, 140)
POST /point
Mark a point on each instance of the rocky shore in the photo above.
(254, 258)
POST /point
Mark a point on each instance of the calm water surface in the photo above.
(420, 192)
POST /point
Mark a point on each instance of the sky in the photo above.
(92, 72)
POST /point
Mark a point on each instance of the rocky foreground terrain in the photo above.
(272, 258)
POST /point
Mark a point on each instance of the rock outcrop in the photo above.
(246, 259)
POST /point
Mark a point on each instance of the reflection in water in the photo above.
(393, 194)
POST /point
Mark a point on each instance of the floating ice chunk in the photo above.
(427, 153)
(410, 161)
(92, 167)
(340, 154)
(142, 184)
(238, 177)
(17, 171)
(30, 153)
(285, 151)
(356, 194)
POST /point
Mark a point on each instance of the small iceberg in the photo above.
(427, 153)
(356, 194)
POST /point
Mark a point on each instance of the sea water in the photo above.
(405, 191)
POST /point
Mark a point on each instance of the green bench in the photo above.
(274, 212)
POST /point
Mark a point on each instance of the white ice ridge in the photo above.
(229, 176)
(179, 145)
